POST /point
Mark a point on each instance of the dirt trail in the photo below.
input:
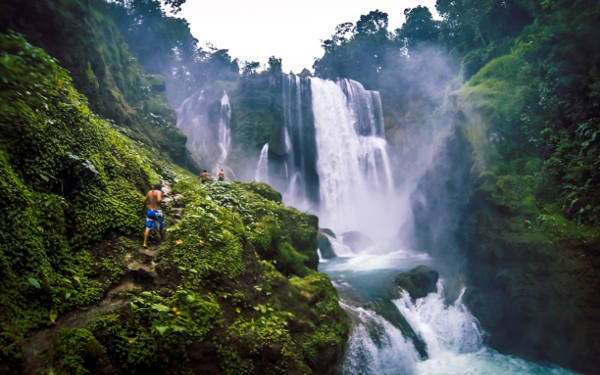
(141, 273)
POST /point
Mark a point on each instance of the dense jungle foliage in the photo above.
(86, 41)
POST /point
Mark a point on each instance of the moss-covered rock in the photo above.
(238, 291)
(231, 255)
(77, 352)
(325, 245)
(418, 282)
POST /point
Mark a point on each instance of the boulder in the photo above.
(418, 282)
(356, 240)
(325, 245)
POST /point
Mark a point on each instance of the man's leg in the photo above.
(146, 233)
(161, 227)
(149, 225)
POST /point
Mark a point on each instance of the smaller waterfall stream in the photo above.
(262, 169)
(205, 119)
(224, 131)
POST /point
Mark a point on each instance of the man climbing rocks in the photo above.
(154, 215)
(221, 175)
(204, 176)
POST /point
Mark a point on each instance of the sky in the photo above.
(254, 30)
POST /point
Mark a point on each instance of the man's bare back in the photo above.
(153, 199)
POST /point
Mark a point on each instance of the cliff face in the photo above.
(232, 289)
(531, 262)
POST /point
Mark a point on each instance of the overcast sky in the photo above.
(253, 30)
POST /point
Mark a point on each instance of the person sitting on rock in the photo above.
(221, 175)
(154, 216)
(204, 176)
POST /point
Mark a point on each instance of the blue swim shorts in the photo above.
(155, 215)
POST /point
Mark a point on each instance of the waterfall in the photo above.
(335, 157)
(300, 146)
(356, 182)
(224, 131)
(376, 346)
(262, 168)
(204, 118)
(357, 192)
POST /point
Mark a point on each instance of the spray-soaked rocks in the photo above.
(325, 244)
(418, 282)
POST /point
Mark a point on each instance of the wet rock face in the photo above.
(418, 282)
(356, 240)
(327, 231)
(325, 246)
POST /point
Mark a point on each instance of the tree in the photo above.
(274, 65)
(372, 23)
(418, 28)
(249, 68)
(175, 5)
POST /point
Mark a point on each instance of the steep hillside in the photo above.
(233, 288)
(68, 181)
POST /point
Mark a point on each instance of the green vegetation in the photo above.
(531, 116)
(226, 301)
(86, 41)
(68, 181)
(239, 289)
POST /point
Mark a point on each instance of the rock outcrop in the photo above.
(418, 282)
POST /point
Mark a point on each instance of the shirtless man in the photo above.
(154, 214)
(204, 176)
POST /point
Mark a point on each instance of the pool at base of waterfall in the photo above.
(381, 343)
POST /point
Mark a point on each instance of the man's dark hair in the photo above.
(204, 170)
(158, 187)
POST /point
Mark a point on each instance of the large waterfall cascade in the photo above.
(335, 141)
(332, 159)
(352, 160)
(336, 162)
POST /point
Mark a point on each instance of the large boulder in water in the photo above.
(325, 245)
(418, 282)
(356, 240)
